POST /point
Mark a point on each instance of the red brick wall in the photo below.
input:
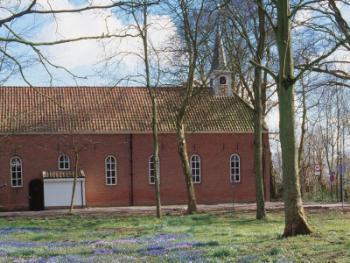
(215, 151)
(40, 153)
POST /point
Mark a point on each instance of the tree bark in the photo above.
(156, 154)
(76, 170)
(295, 219)
(258, 167)
(302, 139)
(143, 31)
(182, 149)
(258, 117)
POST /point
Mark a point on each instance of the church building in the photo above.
(46, 132)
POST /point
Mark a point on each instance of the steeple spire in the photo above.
(219, 56)
(219, 75)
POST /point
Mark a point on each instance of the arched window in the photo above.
(63, 162)
(223, 80)
(16, 171)
(196, 168)
(111, 170)
(235, 171)
(152, 170)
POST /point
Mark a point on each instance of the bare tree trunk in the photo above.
(156, 155)
(182, 149)
(338, 148)
(302, 139)
(258, 168)
(76, 171)
(258, 117)
(295, 219)
(143, 31)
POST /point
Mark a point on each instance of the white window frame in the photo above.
(152, 169)
(65, 160)
(109, 171)
(16, 175)
(234, 160)
(197, 169)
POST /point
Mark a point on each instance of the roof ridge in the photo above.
(90, 87)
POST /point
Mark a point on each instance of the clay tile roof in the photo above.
(25, 110)
(61, 174)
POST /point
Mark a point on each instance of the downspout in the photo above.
(131, 202)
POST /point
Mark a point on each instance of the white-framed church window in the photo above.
(152, 169)
(235, 168)
(196, 168)
(111, 170)
(16, 171)
(63, 162)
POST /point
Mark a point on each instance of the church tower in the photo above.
(219, 75)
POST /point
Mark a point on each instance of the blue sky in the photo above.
(84, 58)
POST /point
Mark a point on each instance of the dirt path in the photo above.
(169, 210)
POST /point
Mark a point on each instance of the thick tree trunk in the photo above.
(76, 170)
(182, 149)
(295, 220)
(301, 143)
(258, 167)
(258, 145)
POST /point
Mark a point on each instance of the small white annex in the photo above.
(58, 186)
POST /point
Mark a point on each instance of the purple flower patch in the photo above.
(21, 244)
(169, 245)
(184, 245)
(248, 259)
(101, 243)
(126, 241)
(153, 251)
(104, 252)
(189, 256)
(158, 250)
(162, 238)
(63, 259)
(161, 244)
(11, 230)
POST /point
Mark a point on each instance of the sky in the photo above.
(87, 58)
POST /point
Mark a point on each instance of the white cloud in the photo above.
(272, 119)
(95, 23)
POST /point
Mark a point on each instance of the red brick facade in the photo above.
(40, 153)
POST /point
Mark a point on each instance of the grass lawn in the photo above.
(199, 238)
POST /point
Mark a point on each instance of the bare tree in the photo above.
(295, 220)
(192, 18)
(342, 25)
(14, 39)
(286, 78)
(253, 34)
(142, 29)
